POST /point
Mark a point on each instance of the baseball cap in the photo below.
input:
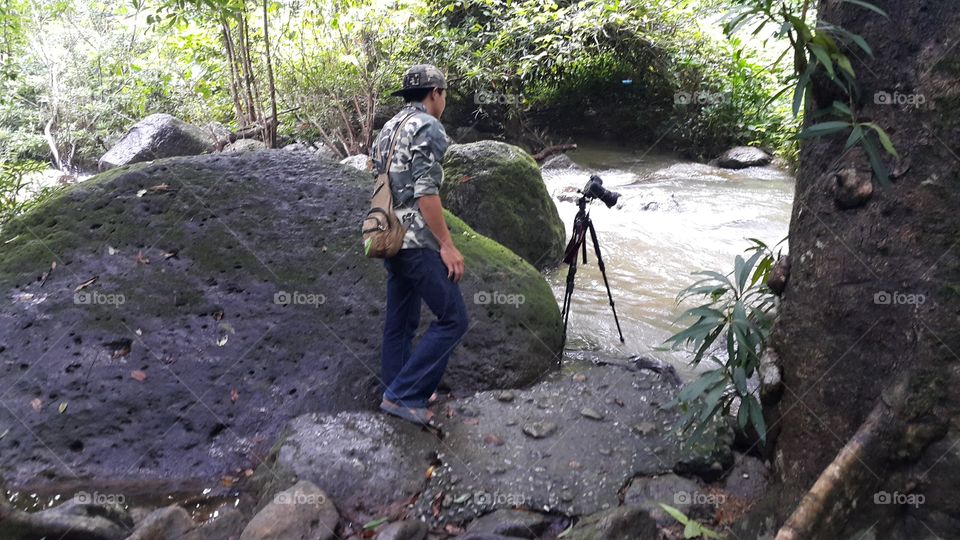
(421, 76)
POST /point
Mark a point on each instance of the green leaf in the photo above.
(842, 107)
(675, 514)
(845, 65)
(691, 530)
(740, 380)
(879, 169)
(884, 139)
(743, 415)
(691, 390)
(756, 418)
(801, 88)
(869, 6)
(823, 128)
(823, 56)
(375, 523)
(855, 137)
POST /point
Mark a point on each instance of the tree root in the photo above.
(851, 475)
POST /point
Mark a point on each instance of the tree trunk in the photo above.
(234, 76)
(874, 290)
(270, 128)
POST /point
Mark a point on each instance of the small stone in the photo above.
(591, 413)
(539, 430)
(492, 440)
(506, 396)
(409, 529)
(643, 428)
(579, 377)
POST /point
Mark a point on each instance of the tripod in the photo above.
(581, 224)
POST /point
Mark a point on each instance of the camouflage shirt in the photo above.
(415, 170)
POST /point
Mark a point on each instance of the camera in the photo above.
(595, 190)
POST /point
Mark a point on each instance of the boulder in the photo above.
(227, 525)
(325, 151)
(76, 519)
(512, 523)
(496, 188)
(408, 529)
(364, 461)
(741, 157)
(622, 523)
(204, 301)
(467, 134)
(156, 136)
(298, 147)
(244, 145)
(168, 523)
(558, 162)
(303, 512)
(681, 493)
(748, 479)
(358, 162)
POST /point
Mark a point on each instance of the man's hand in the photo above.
(453, 260)
(432, 211)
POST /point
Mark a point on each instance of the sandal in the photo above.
(417, 416)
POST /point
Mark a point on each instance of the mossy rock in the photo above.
(238, 286)
(498, 190)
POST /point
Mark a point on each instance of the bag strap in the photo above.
(393, 144)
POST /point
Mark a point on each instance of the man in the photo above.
(428, 266)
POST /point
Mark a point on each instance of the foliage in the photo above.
(816, 50)
(13, 183)
(86, 70)
(336, 61)
(738, 308)
(691, 527)
(732, 100)
(92, 70)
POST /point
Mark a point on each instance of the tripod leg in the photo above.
(567, 303)
(603, 272)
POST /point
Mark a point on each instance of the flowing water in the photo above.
(673, 218)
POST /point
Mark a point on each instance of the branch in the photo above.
(540, 156)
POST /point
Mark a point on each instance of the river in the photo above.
(673, 218)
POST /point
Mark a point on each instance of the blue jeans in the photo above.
(410, 374)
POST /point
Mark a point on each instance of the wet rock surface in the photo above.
(365, 461)
(487, 460)
(199, 303)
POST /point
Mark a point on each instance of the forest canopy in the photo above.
(76, 74)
